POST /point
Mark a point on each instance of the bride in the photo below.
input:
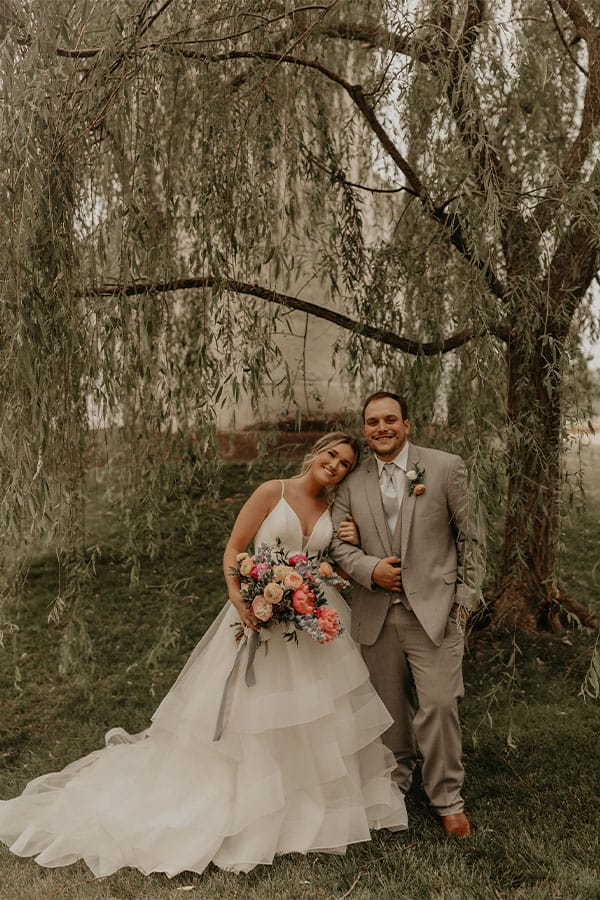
(229, 773)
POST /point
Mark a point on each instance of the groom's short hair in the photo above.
(379, 395)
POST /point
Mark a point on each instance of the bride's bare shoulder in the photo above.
(268, 492)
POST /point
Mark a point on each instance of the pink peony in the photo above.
(325, 570)
(258, 569)
(297, 558)
(261, 608)
(293, 580)
(329, 623)
(303, 601)
(419, 489)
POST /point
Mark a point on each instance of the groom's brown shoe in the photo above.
(456, 824)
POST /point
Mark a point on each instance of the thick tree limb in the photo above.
(376, 36)
(575, 262)
(381, 335)
(578, 16)
(590, 118)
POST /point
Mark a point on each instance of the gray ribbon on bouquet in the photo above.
(250, 679)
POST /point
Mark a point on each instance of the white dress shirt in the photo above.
(400, 463)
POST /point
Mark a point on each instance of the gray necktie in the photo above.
(389, 496)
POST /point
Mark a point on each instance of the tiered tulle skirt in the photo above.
(299, 767)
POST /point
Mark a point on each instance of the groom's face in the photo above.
(385, 431)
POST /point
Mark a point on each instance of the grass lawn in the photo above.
(531, 742)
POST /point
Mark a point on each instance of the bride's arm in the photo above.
(348, 531)
(250, 517)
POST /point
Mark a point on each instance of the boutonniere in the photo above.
(416, 476)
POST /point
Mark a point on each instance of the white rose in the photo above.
(411, 475)
(273, 592)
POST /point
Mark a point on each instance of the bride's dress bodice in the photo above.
(283, 523)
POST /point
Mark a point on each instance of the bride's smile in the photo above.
(335, 462)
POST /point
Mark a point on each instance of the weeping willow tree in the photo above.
(179, 179)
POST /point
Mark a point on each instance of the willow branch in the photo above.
(575, 263)
(575, 11)
(338, 178)
(353, 90)
(563, 40)
(467, 116)
(380, 38)
(590, 118)
(381, 335)
(364, 33)
(147, 25)
(450, 222)
(470, 125)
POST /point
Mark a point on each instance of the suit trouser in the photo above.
(404, 661)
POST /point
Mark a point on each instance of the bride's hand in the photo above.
(348, 532)
(247, 617)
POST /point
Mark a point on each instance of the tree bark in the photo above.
(532, 509)
(527, 595)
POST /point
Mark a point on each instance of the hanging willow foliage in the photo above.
(179, 177)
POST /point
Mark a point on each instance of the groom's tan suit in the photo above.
(408, 639)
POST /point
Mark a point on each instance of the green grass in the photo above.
(531, 743)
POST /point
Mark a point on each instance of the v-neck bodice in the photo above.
(283, 523)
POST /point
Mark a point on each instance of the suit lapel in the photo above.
(373, 492)
(408, 502)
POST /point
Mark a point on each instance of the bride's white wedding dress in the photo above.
(299, 767)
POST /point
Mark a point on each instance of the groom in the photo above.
(416, 570)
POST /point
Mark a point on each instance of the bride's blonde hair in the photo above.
(325, 443)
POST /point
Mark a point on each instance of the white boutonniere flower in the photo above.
(416, 477)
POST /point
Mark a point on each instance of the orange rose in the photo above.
(325, 570)
(293, 580)
(246, 566)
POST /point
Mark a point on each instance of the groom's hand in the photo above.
(388, 574)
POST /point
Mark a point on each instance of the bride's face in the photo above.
(333, 463)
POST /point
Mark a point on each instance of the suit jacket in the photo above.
(437, 539)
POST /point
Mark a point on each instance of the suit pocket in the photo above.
(450, 577)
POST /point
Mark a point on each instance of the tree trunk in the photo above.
(526, 595)
(533, 461)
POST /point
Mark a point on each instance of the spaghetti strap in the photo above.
(281, 488)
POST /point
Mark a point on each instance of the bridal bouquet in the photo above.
(288, 589)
